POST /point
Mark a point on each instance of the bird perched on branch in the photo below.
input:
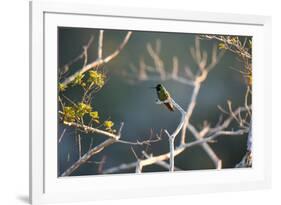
(164, 95)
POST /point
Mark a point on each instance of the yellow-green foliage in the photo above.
(83, 109)
(62, 87)
(69, 114)
(95, 116)
(97, 78)
(78, 79)
(234, 40)
(76, 113)
(108, 124)
(222, 46)
(250, 43)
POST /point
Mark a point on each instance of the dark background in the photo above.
(134, 103)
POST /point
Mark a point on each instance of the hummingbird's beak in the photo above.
(152, 87)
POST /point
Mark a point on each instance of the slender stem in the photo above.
(139, 167)
(92, 152)
(190, 109)
(199, 135)
(100, 44)
(213, 133)
(99, 62)
(79, 146)
(91, 129)
(172, 153)
(172, 137)
(87, 156)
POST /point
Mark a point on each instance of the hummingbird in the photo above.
(163, 95)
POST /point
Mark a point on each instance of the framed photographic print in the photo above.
(132, 103)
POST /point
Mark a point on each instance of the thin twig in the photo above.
(88, 129)
(157, 61)
(100, 44)
(189, 112)
(87, 156)
(161, 163)
(62, 134)
(216, 160)
(79, 146)
(98, 62)
(120, 167)
(212, 134)
(92, 152)
(172, 151)
(82, 55)
(175, 133)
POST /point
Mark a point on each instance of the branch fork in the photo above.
(172, 136)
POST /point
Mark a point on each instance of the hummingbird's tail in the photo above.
(170, 106)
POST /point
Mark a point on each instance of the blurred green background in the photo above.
(134, 103)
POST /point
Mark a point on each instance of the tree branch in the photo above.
(98, 62)
(87, 129)
(100, 44)
(216, 160)
(92, 152)
(175, 133)
(205, 137)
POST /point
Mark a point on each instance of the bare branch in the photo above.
(88, 129)
(79, 57)
(215, 135)
(200, 140)
(87, 156)
(171, 137)
(236, 46)
(202, 137)
(216, 160)
(189, 112)
(79, 146)
(246, 100)
(142, 70)
(119, 168)
(92, 152)
(172, 151)
(227, 122)
(144, 142)
(100, 44)
(182, 147)
(183, 115)
(175, 70)
(247, 159)
(62, 134)
(159, 66)
(99, 62)
(161, 163)
(201, 61)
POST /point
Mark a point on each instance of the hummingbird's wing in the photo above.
(169, 105)
(163, 95)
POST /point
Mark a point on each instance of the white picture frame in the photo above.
(46, 187)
